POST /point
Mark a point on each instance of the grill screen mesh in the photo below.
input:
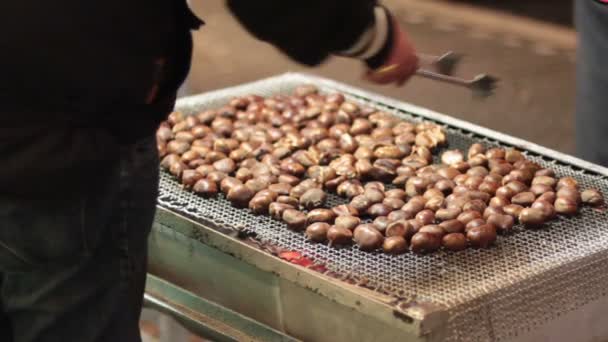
(529, 277)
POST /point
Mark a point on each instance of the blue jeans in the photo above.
(74, 270)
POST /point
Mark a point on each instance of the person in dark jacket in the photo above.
(84, 86)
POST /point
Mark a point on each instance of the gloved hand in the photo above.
(401, 62)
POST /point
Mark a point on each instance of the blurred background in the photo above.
(529, 45)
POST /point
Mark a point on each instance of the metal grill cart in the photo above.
(216, 268)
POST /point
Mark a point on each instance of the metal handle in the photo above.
(482, 85)
(445, 64)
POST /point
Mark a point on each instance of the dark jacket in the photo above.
(76, 74)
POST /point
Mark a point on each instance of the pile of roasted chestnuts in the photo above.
(282, 155)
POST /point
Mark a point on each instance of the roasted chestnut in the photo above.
(425, 243)
(433, 229)
(448, 172)
(225, 165)
(378, 209)
(320, 215)
(345, 210)
(257, 184)
(381, 222)
(205, 187)
(367, 237)
(178, 147)
(350, 189)
(425, 217)
(569, 193)
(293, 168)
(503, 223)
(288, 200)
(482, 237)
(390, 151)
(476, 205)
(400, 228)
(435, 203)
(567, 182)
(475, 149)
(474, 223)
(513, 155)
(413, 207)
(492, 211)
(545, 172)
(544, 180)
(394, 203)
(452, 157)
(348, 222)
(452, 226)
(190, 177)
(177, 168)
(360, 203)
(446, 214)
(276, 209)
(505, 192)
(467, 216)
(259, 204)
(565, 206)
(295, 219)
(539, 189)
(374, 195)
(317, 231)
(339, 235)
(592, 197)
(532, 217)
(169, 160)
(313, 198)
(499, 202)
(513, 210)
(243, 174)
(516, 186)
(416, 186)
(454, 242)
(496, 153)
(240, 195)
(395, 245)
(548, 197)
(547, 208)
(524, 199)
(281, 189)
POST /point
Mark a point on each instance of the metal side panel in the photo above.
(294, 300)
(205, 318)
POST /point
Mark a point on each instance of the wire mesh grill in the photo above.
(528, 278)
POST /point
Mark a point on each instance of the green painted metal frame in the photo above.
(205, 318)
(211, 266)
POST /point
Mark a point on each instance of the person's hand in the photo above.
(401, 63)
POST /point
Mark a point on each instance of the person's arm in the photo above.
(310, 31)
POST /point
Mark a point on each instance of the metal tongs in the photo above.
(482, 85)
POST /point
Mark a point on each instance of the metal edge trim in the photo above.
(409, 317)
(231, 328)
(184, 317)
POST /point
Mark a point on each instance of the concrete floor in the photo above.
(534, 101)
(556, 11)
